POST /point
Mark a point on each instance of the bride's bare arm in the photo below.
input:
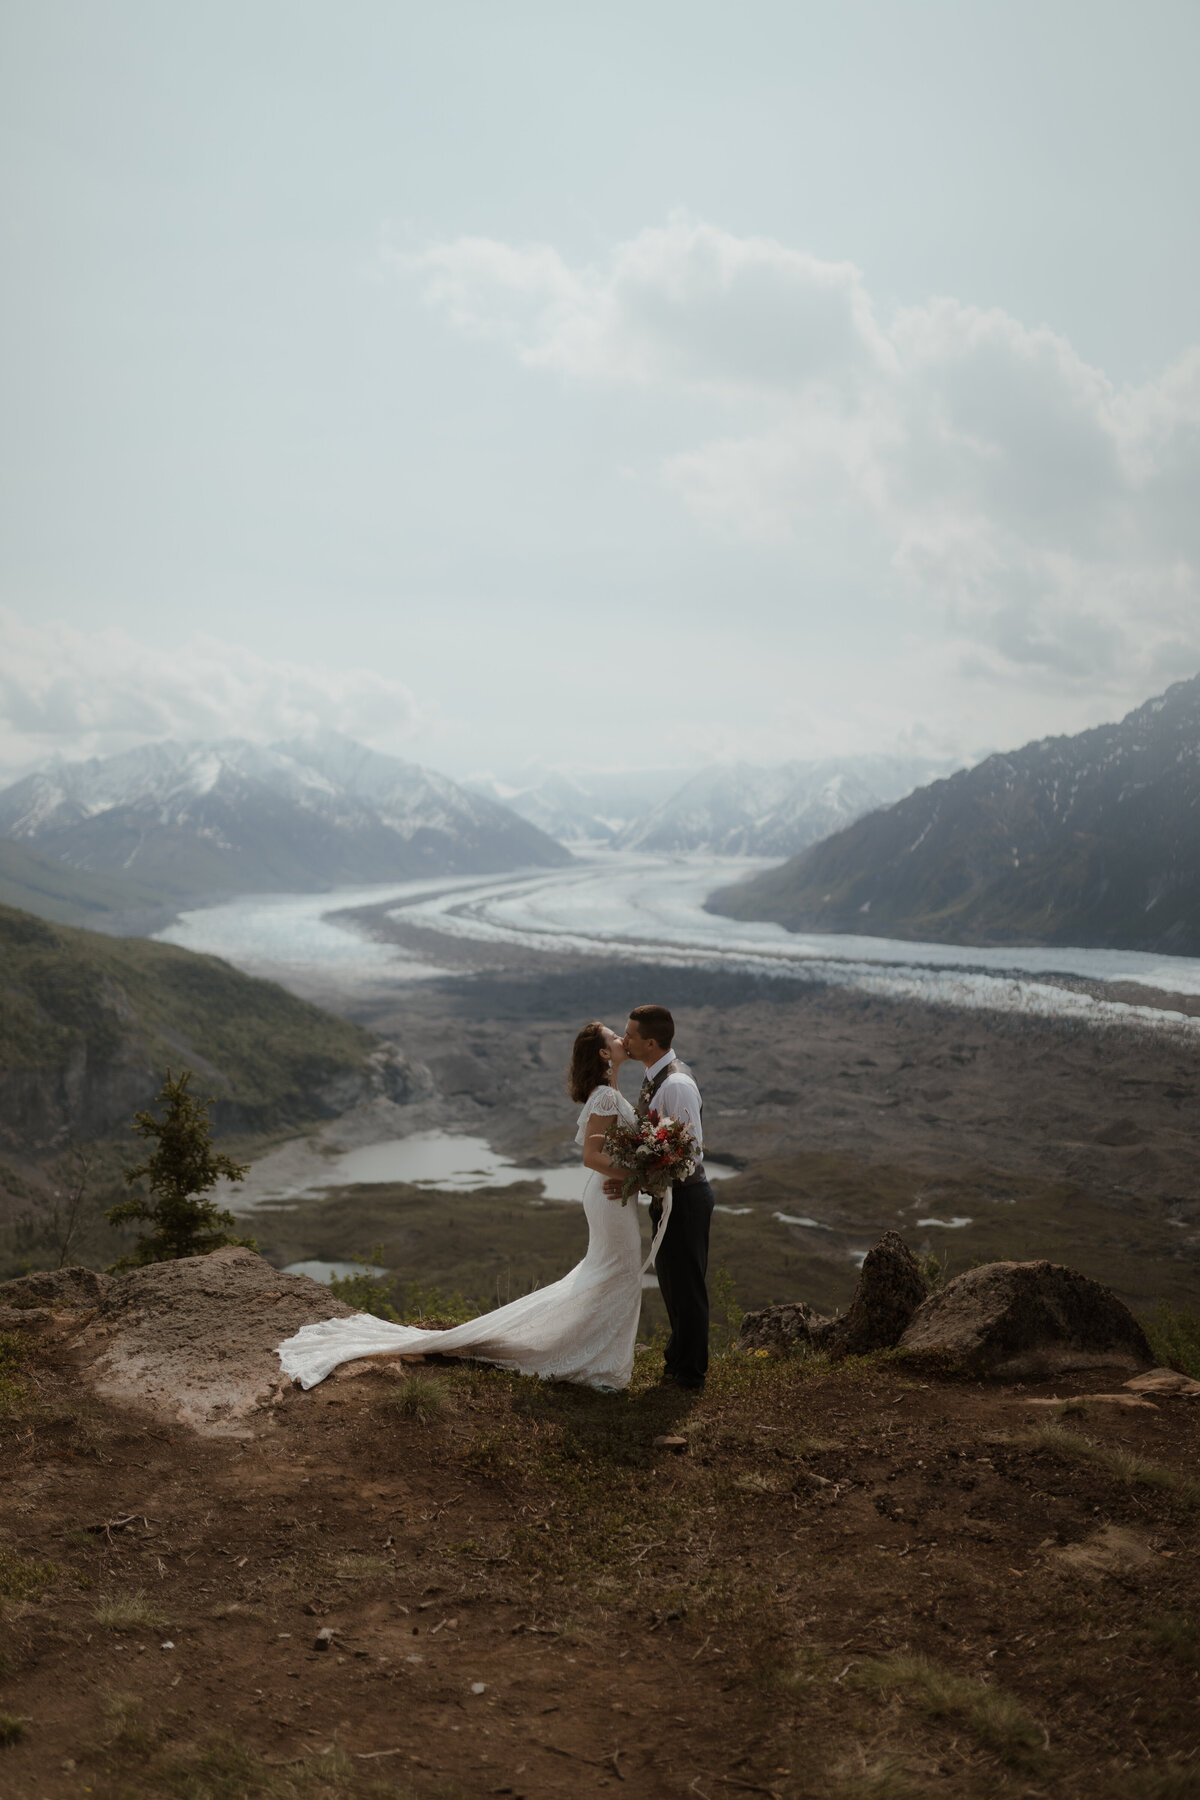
(594, 1154)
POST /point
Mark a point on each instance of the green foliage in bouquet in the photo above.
(652, 1154)
(180, 1171)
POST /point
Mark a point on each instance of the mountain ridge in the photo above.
(748, 809)
(722, 809)
(203, 820)
(1092, 839)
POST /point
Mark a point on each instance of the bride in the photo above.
(581, 1328)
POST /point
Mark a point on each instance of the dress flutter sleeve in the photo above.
(606, 1103)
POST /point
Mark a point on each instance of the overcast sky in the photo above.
(596, 382)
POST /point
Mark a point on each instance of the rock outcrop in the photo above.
(1017, 1320)
(194, 1341)
(61, 1290)
(37, 1298)
(1011, 1320)
(890, 1289)
(781, 1328)
(1165, 1381)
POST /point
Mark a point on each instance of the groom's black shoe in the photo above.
(668, 1380)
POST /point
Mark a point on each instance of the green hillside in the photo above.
(89, 1022)
(53, 890)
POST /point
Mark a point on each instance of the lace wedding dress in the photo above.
(581, 1328)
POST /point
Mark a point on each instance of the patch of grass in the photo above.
(12, 1728)
(727, 1313)
(357, 1566)
(754, 1483)
(1177, 1635)
(19, 1579)
(1174, 1333)
(422, 1398)
(125, 1725)
(128, 1612)
(1125, 1465)
(994, 1717)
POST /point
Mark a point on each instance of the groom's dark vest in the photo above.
(645, 1101)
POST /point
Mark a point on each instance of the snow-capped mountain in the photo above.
(743, 810)
(578, 809)
(1091, 840)
(199, 819)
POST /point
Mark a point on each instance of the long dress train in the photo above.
(581, 1328)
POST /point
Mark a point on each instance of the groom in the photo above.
(682, 1260)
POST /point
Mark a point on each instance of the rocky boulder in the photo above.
(1019, 1320)
(781, 1328)
(890, 1289)
(194, 1341)
(58, 1290)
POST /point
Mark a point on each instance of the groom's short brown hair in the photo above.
(655, 1022)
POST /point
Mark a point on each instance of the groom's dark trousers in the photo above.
(681, 1266)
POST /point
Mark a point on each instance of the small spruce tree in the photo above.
(181, 1170)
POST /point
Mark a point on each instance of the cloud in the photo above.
(95, 693)
(684, 303)
(1049, 514)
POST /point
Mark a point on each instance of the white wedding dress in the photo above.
(581, 1328)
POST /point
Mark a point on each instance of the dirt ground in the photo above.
(860, 1581)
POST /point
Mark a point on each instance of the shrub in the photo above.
(365, 1293)
(1174, 1334)
(935, 1271)
(412, 1305)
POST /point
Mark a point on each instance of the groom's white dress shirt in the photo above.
(678, 1097)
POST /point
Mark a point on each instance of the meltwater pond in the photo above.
(317, 1269)
(446, 1162)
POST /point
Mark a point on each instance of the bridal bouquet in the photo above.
(655, 1152)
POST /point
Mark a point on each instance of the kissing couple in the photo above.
(581, 1328)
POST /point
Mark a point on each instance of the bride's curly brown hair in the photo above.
(588, 1067)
